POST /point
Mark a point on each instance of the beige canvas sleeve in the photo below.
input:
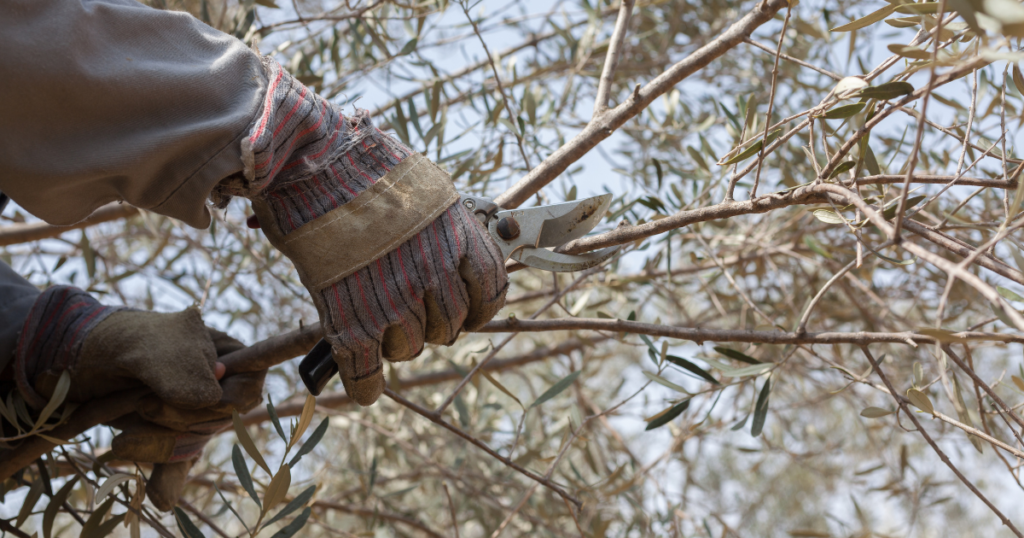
(109, 100)
(380, 219)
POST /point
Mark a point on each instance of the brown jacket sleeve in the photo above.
(106, 100)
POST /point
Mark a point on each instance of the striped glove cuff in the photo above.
(305, 157)
(51, 339)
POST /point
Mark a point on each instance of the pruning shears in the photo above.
(524, 235)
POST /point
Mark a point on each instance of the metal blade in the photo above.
(559, 229)
(562, 263)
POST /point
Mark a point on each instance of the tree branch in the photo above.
(86, 416)
(339, 399)
(701, 335)
(34, 231)
(377, 513)
(611, 58)
(603, 127)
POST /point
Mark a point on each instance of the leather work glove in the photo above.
(111, 349)
(376, 233)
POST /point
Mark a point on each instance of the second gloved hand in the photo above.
(109, 349)
(388, 255)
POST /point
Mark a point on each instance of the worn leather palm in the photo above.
(109, 349)
(383, 282)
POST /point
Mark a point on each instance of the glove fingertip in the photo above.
(166, 484)
(366, 390)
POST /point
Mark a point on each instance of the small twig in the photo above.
(6, 526)
(436, 419)
(771, 103)
(797, 61)
(915, 150)
(501, 88)
(202, 517)
(451, 506)
(981, 383)
(611, 59)
(802, 325)
(935, 447)
(472, 373)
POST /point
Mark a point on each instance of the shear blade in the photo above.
(568, 221)
(562, 263)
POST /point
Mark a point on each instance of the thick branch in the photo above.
(701, 335)
(273, 350)
(724, 210)
(603, 127)
(339, 399)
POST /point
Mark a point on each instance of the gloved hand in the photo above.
(389, 256)
(173, 437)
(110, 349)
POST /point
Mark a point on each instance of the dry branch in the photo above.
(701, 335)
(339, 399)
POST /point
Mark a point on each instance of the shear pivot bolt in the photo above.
(508, 228)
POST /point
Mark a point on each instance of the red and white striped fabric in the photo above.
(304, 157)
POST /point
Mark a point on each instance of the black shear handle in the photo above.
(318, 367)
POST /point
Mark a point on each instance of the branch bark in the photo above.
(701, 335)
(340, 399)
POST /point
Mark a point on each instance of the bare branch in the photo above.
(701, 335)
(797, 61)
(339, 399)
(771, 103)
(611, 59)
(915, 150)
